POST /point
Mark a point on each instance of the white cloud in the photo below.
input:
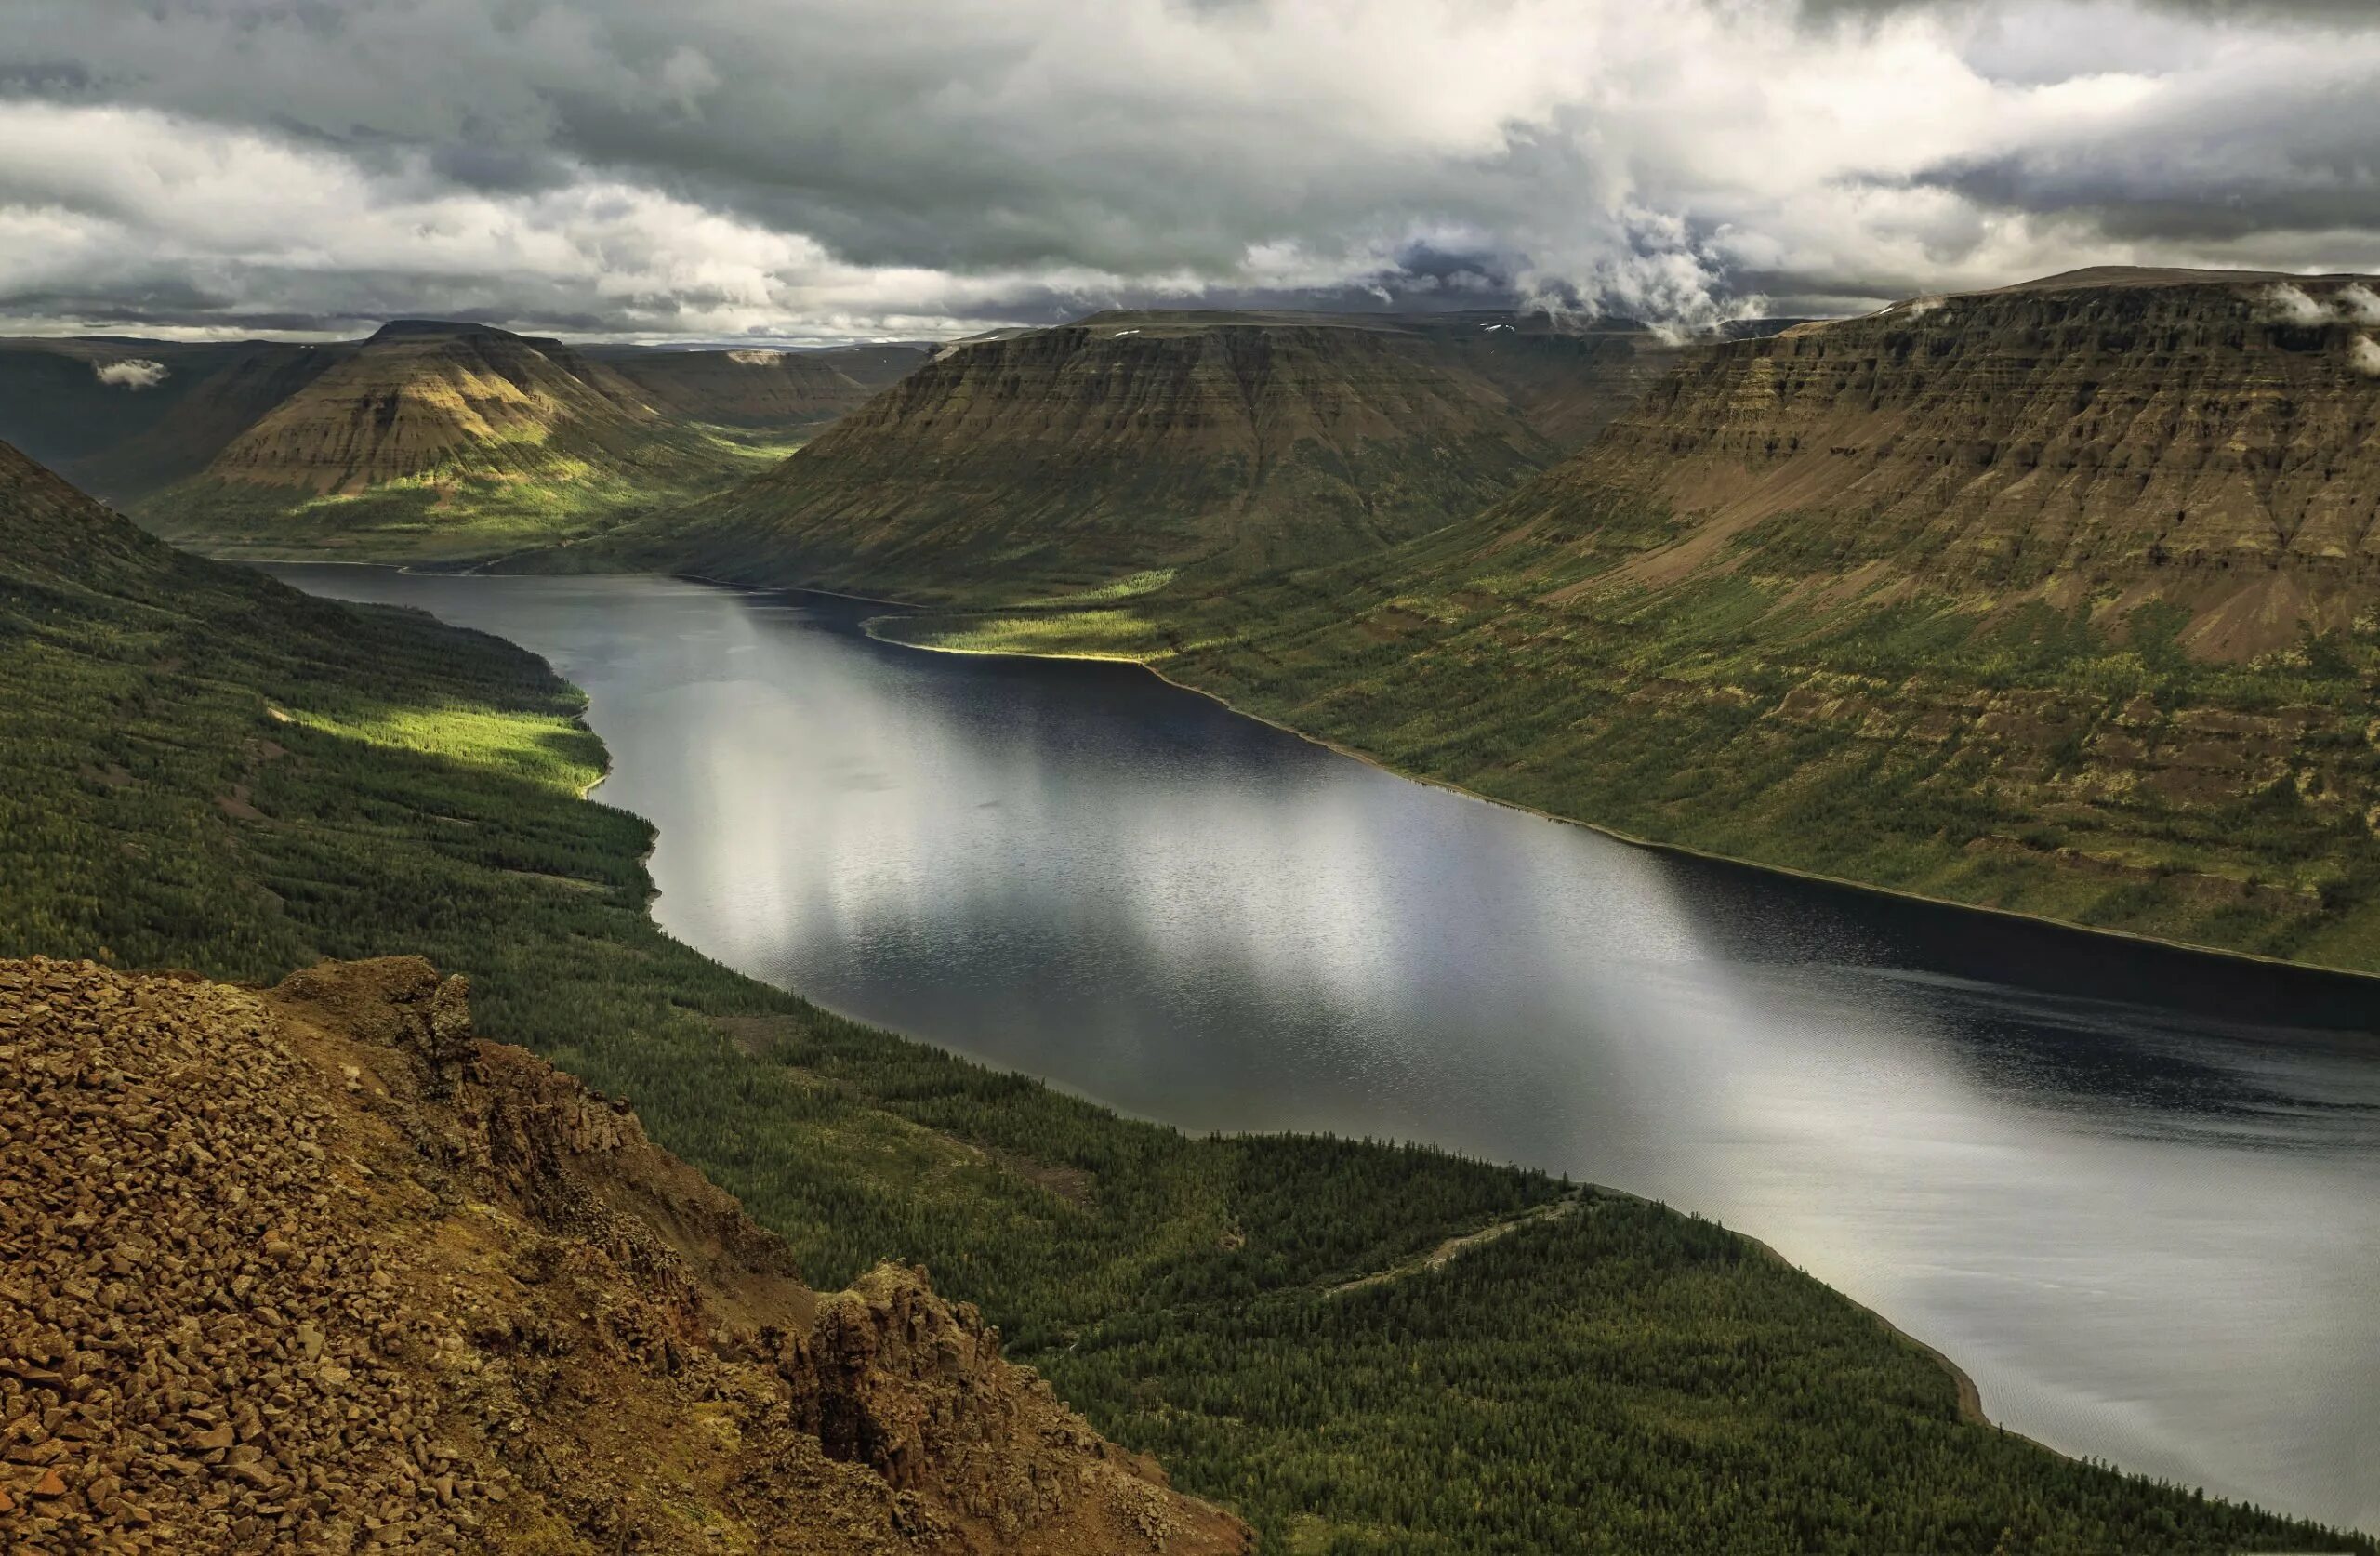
(133, 373)
(2285, 304)
(2359, 303)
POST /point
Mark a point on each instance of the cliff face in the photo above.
(317, 1270)
(761, 388)
(1077, 455)
(2113, 436)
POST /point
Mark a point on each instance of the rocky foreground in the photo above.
(317, 1270)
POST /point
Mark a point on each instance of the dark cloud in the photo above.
(843, 166)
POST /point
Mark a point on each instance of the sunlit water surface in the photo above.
(2133, 1192)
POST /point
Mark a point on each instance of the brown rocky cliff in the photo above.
(317, 1270)
(2203, 439)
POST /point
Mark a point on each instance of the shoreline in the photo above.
(1969, 1397)
(2141, 937)
(1968, 1402)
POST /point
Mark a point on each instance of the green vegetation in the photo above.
(201, 768)
(475, 508)
(1096, 456)
(2025, 757)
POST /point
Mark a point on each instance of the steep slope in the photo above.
(126, 417)
(444, 439)
(437, 440)
(1567, 379)
(2060, 599)
(1078, 457)
(215, 411)
(776, 390)
(317, 1270)
(422, 398)
(2111, 437)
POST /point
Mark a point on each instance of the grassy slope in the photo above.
(1069, 457)
(470, 510)
(2024, 759)
(202, 768)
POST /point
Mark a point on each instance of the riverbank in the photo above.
(1357, 752)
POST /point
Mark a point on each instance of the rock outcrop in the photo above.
(317, 1270)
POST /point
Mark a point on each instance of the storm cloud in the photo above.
(789, 170)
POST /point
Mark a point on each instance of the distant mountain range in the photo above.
(428, 438)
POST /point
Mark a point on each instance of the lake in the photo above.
(2136, 1193)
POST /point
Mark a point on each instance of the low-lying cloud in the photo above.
(132, 373)
(812, 170)
(2284, 304)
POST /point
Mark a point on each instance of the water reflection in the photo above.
(2130, 1189)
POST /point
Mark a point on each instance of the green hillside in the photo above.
(445, 442)
(2060, 599)
(1071, 459)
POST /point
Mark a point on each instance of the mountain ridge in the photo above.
(1075, 457)
(434, 440)
(2062, 598)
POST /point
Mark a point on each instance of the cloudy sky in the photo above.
(824, 169)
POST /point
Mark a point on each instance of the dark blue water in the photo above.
(2130, 1190)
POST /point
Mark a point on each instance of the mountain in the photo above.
(2060, 599)
(433, 439)
(320, 1269)
(1076, 456)
(124, 417)
(428, 441)
(2096, 441)
(754, 387)
(421, 399)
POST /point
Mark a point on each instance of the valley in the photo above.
(2038, 1150)
(1190, 778)
(2057, 600)
(206, 769)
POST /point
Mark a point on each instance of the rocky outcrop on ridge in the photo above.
(317, 1270)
